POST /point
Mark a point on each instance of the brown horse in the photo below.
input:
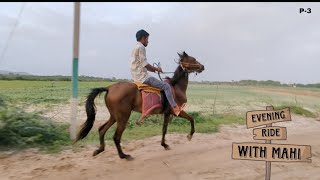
(124, 97)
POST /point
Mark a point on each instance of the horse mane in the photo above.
(178, 73)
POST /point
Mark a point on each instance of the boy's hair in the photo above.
(141, 33)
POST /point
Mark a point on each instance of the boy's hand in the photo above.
(160, 70)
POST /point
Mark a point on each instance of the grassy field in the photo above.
(210, 105)
(203, 98)
(240, 99)
(44, 92)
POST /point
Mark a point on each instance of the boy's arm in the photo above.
(143, 59)
(152, 68)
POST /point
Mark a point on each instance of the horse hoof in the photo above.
(127, 157)
(96, 152)
(189, 137)
(166, 147)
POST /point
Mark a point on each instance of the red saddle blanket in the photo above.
(152, 100)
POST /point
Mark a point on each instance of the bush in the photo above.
(19, 129)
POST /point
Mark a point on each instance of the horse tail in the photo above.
(91, 112)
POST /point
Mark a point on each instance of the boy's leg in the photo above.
(151, 81)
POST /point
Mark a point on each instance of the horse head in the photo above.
(190, 64)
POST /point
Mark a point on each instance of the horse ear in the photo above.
(181, 56)
(185, 54)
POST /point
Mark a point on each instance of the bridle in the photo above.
(185, 66)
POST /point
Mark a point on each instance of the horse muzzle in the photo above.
(201, 69)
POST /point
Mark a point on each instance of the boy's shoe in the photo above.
(176, 110)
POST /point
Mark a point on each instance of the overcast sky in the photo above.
(234, 41)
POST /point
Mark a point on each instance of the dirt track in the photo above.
(207, 156)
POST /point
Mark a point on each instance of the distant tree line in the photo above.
(12, 76)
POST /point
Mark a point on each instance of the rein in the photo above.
(182, 64)
(162, 72)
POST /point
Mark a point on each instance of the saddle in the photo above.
(147, 88)
(153, 98)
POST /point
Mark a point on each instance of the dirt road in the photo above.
(207, 156)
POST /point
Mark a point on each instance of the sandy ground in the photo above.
(206, 156)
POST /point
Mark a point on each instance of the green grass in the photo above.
(298, 110)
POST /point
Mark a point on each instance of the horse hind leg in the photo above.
(121, 126)
(102, 131)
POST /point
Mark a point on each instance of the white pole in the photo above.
(75, 64)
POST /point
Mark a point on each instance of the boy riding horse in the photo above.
(140, 68)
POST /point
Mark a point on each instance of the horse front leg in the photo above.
(164, 131)
(185, 115)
